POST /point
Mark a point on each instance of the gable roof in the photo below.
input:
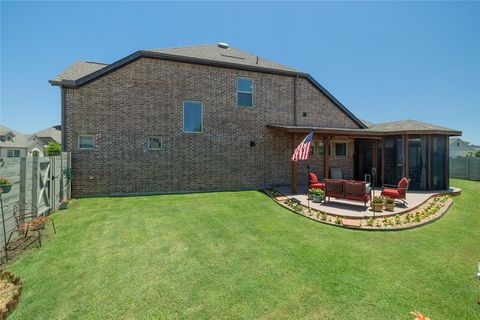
(19, 139)
(81, 73)
(50, 133)
(214, 52)
(77, 70)
(464, 143)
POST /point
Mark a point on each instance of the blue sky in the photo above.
(384, 60)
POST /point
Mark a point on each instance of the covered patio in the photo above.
(409, 148)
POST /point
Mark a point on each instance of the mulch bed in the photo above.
(10, 289)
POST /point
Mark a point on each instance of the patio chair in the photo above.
(29, 223)
(336, 173)
(397, 191)
(314, 183)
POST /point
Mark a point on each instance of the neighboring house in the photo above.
(216, 118)
(460, 148)
(47, 135)
(16, 144)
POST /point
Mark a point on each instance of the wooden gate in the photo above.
(39, 183)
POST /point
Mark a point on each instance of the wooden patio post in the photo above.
(383, 159)
(407, 157)
(326, 148)
(294, 167)
(429, 169)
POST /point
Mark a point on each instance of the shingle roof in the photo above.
(380, 129)
(51, 132)
(83, 72)
(211, 52)
(19, 141)
(78, 69)
(406, 125)
(214, 52)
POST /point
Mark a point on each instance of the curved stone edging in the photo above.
(412, 225)
(11, 305)
(393, 214)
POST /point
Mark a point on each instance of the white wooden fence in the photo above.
(39, 185)
(465, 168)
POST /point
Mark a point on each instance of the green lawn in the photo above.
(240, 255)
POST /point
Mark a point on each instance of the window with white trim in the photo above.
(154, 143)
(85, 142)
(192, 116)
(13, 153)
(244, 92)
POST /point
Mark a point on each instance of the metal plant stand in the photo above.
(4, 230)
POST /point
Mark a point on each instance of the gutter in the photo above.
(62, 103)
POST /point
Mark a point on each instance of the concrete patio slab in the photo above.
(356, 209)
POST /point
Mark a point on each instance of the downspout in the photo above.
(295, 100)
(62, 89)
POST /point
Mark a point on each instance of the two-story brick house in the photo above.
(216, 118)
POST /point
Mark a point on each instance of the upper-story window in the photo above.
(244, 92)
(13, 153)
(192, 116)
(85, 142)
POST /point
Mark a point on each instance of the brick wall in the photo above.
(145, 97)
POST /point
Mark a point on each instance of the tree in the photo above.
(53, 149)
(477, 153)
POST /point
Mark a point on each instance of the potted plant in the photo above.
(317, 195)
(377, 204)
(309, 194)
(5, 185)
(389, 204)
(64, 204)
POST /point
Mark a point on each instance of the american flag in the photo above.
(303, 150)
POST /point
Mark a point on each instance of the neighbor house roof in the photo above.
(379, 129)
(80, 73)
(19, 141)
(48, 134)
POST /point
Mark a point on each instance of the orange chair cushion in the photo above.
(319, 185)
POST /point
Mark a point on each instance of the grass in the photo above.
(239, 255)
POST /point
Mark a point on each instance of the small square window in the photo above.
(154, 143)
(85, 142)
(340, 149)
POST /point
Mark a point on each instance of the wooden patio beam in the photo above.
(294, 167)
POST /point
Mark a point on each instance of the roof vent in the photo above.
(223, 45)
